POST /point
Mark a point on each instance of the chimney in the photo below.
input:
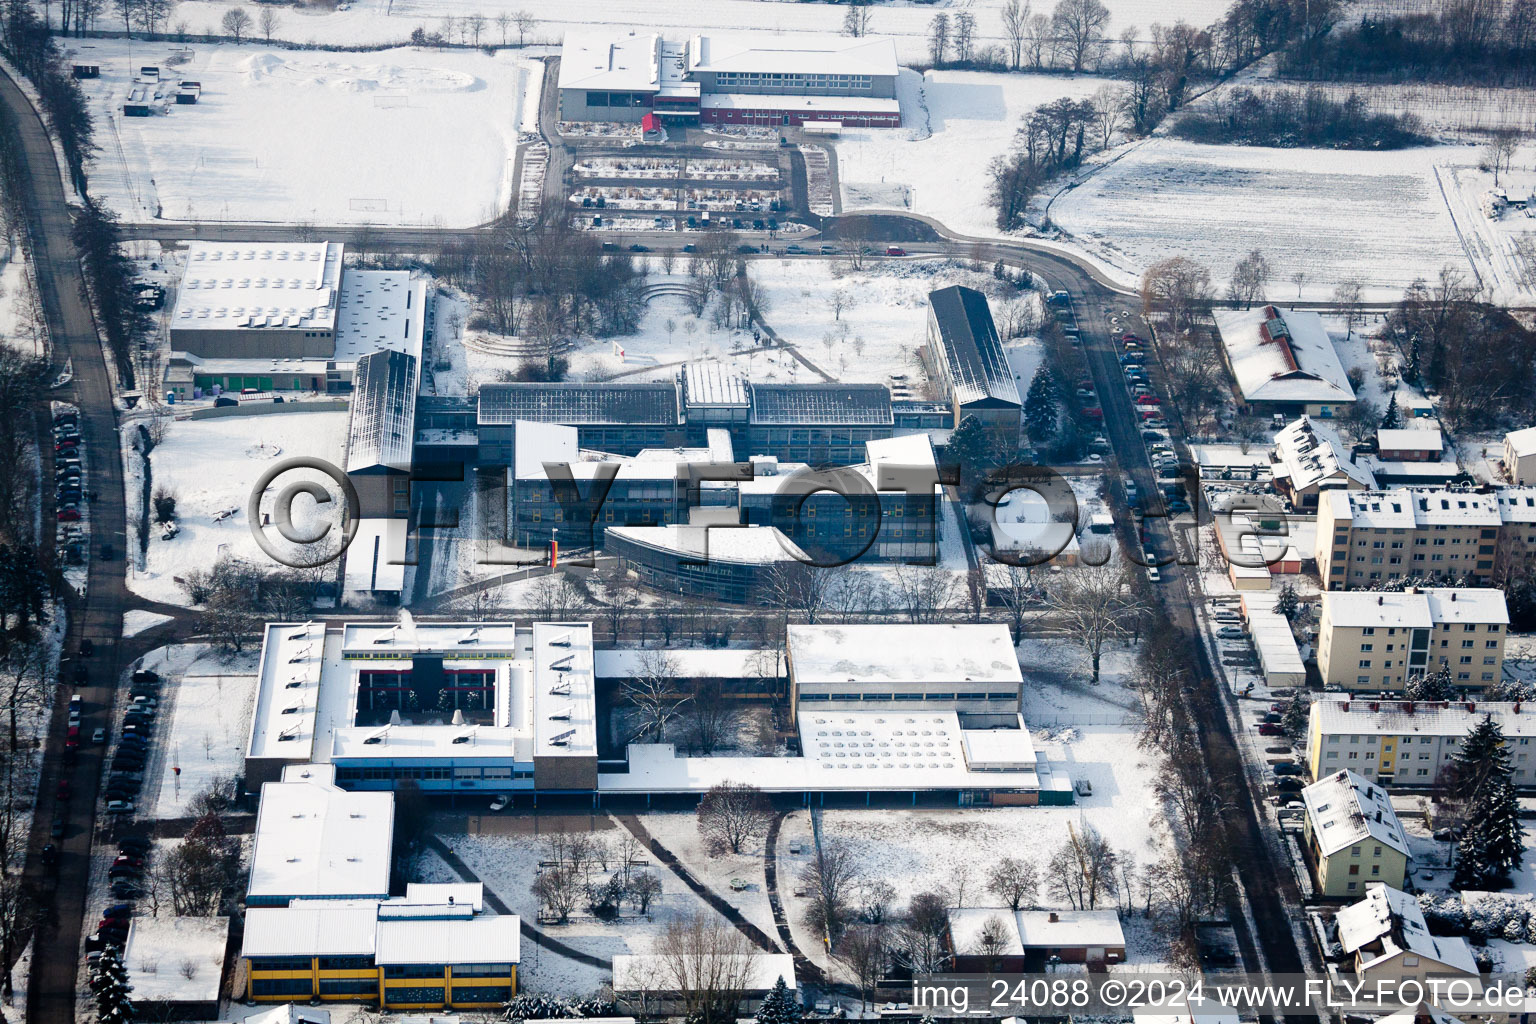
(1055, 917)
(1380, 599)
(1471, 705)
(1346, 705)
(1375, 705)
(1517, 707)
(1410, 707)
(1453, 595)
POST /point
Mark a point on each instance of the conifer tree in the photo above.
(109, 981)
(779, 1006)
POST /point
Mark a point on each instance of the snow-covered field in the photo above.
(204, 717)
(211, 466)
(405, 136)
(956, 122)
(1503, 249)
(1381, 218)
(383, 21)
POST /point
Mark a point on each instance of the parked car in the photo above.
(133, 843)
(1231, 633)
(1288, 768)
(67, 515)
(99, 735)
(1269, 729)
(1289, 784)
(119, 806)
(895, 250)
(1153, 575)
(144, 675)
(63, 791)
(1148, 400)
(637, 247)
(501, 802)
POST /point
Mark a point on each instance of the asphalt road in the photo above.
(99, 616)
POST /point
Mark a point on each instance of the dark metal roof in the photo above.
(865, 405)
(382, 426)
(971, 350)
(579, 404)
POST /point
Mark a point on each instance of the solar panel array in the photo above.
(382, 428)
(973, 352)
(865, 405)
(578, 404)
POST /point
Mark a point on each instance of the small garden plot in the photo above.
(620, 197)
(599, 129)
(731, 170)
(627, 167)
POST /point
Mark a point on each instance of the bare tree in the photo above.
(964, 36)
(710, 716)
(1079, 29)
(919, 940)
(926, 593)
(1091, 601)
(1015, 882)
(474, 24)
(1015, 26)
(831, 880)
(503, 22)
(857, 18)
(558, 890)
(1018, 593)
(1346, 295)
(1249, 278)
(992, 942)
(733, 814)
(863, 951)
(654, 692)
(707, 962)
(1037, 40)
(268, 20)
(1082, 870)
(643, 888)
(938, 39)
(1500, 151)
(1179, 289)
(236, 22)
(525, 23)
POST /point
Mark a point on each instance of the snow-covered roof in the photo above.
(1283, 355)
(800, 53)
(287, 691)
(1409, 440)
(945, 652)
(564, 701)
(316, 839)
(1371, 509)
(475, 940)
(470, 894)
(971, 350)
(967, 923)
(1195, 1011)
(1362, 608)
(1466, 604)
(259, 286)
(1454, 508)
(291, 1013)
(753, 545)
(730, 663)
(1051, 928)
(341, 929)
(1516, 504)
(380, 310)
(1344, 809)
(376, 558)
(1521, 443)
(534, 443)
(1310, 453)
(713, 384)
(654, 972)
(1393, 919)
(1333, 717)
(176, 959)
(611, 60)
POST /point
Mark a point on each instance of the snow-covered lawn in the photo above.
(404, 136)
(872, 338)
(211, 466)
(1379, 217)
(1503, 249)
(380, 21)
(204, 718)
(955, 123)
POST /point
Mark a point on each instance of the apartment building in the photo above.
(1367, 538)
(1378, 641)
(1411, 743)
(1353, 834)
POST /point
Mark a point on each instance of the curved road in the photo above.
(1265, 883)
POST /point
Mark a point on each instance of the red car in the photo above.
(125, 859)
(63, 792)
(1270, 729)
(895, 250)
(68, 515)
(1093, 412)
(74, 732)
(1129, 337)
(1148, 400)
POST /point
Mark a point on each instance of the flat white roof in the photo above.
(535, 443)
(1304, 368)
(1410, 440)
(375, 560)
(259, 286)
(287, 691)
(475, 940)
(162, 952)
(1069, 928)
(314, 839)
(691, 662)
(343, 929)
(1418, 607)
(966, 925)
(379, 310)
(948, 652)
(613, 60)
(713, 384)
(800, 53)
(564, 703)
(1345, 809)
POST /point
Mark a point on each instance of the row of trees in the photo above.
(1488, 42)
(1480, 802)
(1293, 117)
(586, 869)
(26, 43)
